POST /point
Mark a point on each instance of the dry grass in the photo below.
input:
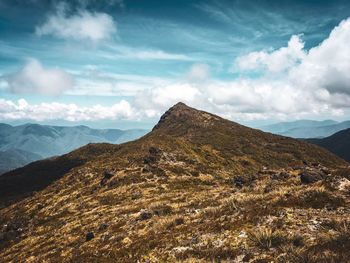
(201, 197)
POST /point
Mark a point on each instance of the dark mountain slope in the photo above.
(338, 143)
(197, 188)
(14, 158)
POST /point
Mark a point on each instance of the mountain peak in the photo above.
(181, 114)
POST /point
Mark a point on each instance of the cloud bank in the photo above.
(292, 83)
(34, 78)
(60, 111)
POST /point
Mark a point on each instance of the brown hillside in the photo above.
(196, 188)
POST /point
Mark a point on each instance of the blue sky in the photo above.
(122, 63)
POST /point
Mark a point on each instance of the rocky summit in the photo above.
(197, 188)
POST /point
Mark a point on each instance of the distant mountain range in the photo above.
(338, 143)
(20, 145)
(306, 128)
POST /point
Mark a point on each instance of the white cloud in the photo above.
(83, 25)
(158, 99)
(276, 60)
(313, 81)
(156, 54)
(34, 78)
(327, 66)
(118, 51)
(60, 111)
(308, 83)
(199, 72)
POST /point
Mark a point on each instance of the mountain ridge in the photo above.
(197, 187)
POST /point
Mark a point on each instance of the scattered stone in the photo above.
(240, 181)
(281, 176)
(89, 236)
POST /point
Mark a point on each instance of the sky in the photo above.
(122, 63)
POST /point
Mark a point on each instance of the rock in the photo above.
(89, 236)
(154, 151)
(179, 221)
(106, 176)
(268, 189)
(154, 155)
(310, 177)
(238, 181)
(145, 214)
(146, 169)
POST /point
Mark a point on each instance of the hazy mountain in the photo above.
(307, 128)
(281, 127)
(338, 143)
(197, 188)
(42, 141)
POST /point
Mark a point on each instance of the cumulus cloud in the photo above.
(34, 78)
(21, 109)
(276, 60)
(314, 81)
(84, 25)
(327, 66)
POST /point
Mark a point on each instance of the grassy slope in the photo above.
(193, 209)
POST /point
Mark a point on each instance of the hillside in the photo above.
(307, 128)
(338, 143)
(196, 188)
(43, 141)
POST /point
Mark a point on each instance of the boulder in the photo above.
(310, 177)
(89, 236)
